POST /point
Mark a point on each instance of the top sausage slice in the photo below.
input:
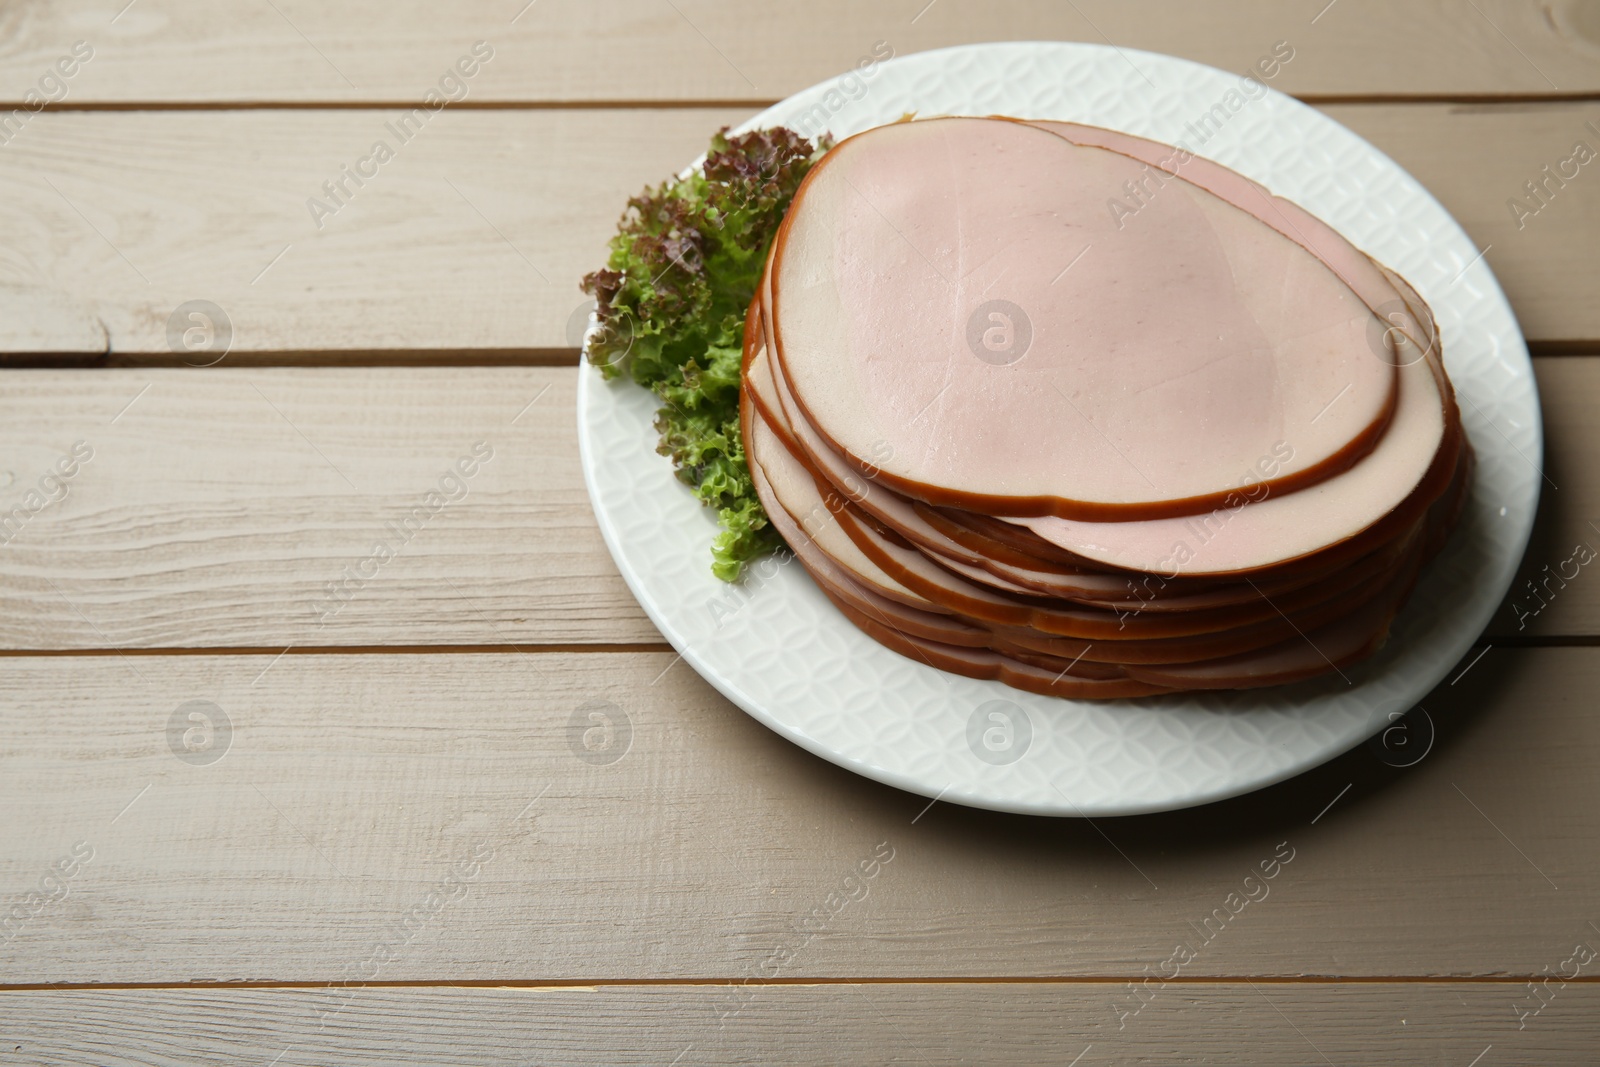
(957, 294)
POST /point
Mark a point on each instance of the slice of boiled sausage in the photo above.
(934, 321)
(1278, 528)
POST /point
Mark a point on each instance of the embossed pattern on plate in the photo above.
(779, 650)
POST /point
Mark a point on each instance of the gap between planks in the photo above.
(716, 983)
(711, 103)
(333, 357)
(349, 650)
(1504, 641)
(451, 357)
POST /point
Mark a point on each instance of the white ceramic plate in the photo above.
(778, 649)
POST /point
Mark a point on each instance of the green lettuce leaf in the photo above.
(671, 305)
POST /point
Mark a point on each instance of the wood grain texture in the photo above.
(184, 51)
(1477, 159)
(219, 506)
(1235, 1023)
(429, 818)
(215, 511)
(474, 236)
(1542, 603)
(433, 816)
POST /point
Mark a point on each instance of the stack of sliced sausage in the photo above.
(1084, 413)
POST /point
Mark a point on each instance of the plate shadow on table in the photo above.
(1559, 528)
(1254, 820)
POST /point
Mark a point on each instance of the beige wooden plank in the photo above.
(218, 506)
(1269, 1024)
(475, 234)
(1563, 598)
(428, 817)
(214, 512)
(1477, 159)
(566, 50)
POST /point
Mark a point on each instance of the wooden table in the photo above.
(261, 808)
